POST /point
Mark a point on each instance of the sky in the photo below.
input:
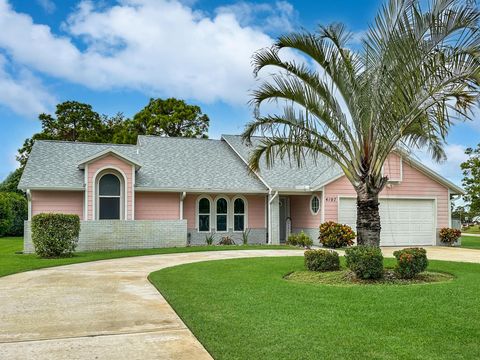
(116, 55)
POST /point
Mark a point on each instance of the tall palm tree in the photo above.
(416, 71)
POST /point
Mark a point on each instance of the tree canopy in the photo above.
(471, 180)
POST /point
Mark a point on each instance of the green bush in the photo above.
(334, 235)
(410, 262)
(365, 261)
(13, 212)
(449, 235)
(6, 214)
(209, 239)
(300, 239)
(321, 260)
(55, 235)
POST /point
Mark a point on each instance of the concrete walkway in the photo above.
(108, 309)
(466, 234)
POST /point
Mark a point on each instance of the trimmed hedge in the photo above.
(365, 261)
(321, 260)
(55, 235)
(13, 212)
(300, 239)
(410, 262)
(334, 235)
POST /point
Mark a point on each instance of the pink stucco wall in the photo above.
(414, 184)
(393, 167)
(110, 161)
(255, 209)
(300, 212)
(66, 202)
(157, 206)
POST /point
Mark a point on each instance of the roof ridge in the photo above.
(177, 138)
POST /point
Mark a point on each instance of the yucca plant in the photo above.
(415, 73)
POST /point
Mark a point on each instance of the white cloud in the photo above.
(47, 5)
(24, 93)
(163, 48)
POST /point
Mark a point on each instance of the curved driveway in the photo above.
(109, 310)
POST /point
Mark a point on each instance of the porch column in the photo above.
(273, 219)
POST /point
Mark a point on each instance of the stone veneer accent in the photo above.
(256, 236)
(121, 234)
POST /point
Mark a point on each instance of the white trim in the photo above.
(269, 229)
(29, 202)
(85, 198)
(328, 182)
(55, 188)
(314, 213)
(197, 201)
(182, 197)
(229, 210)
(399, 197)
(133, 193)
(94, 190)
(245, 213)
(201, 191)
(449, 203)
(323, 206)
(106, 152)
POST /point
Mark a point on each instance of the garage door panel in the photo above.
(405, 222)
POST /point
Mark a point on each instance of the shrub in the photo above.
(13, 212)
(334, 235)
(226, 240)
(321, 260)
(209, 238)
(365, 261)
(300, 239)
(55, 235)
(245, 235)
(410, 262)
(449, 235)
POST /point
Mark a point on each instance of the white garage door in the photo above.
(405, 222)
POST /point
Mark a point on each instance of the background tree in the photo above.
(471, 180)
(416, 70)
(10, 184)
(171, 117)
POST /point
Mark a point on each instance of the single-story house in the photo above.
(176, 191)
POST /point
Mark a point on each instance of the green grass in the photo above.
(474, 229)
(11, 263)
(471, 242)
(244, 309)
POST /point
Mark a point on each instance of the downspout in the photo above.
(182, 197)
(269, 214)
(29, 199)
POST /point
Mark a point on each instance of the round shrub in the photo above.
(300, 239)
(449, 236)
(334, 235)
(55, 235)
(365, 261)
(321, 260)
(410, 262)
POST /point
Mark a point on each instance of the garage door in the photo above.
(405, 222)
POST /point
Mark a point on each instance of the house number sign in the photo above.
(331, 199)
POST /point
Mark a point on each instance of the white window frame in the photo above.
(245, 213)
(123, 193)
(310, 204)
(197, 214)
(227, 214)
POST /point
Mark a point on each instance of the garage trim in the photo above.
(399, 197)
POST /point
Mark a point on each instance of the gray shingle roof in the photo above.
(286, 175)
(167, 163)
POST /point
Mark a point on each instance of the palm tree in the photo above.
(415, 73)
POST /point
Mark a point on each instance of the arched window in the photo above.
(239, 215)
(109, 197)
(204, 214)
(314, 204)
(222, 214)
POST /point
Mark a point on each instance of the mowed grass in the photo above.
(474, 229)
(471, 242)
(244, 309)
(11, 263)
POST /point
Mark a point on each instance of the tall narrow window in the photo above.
(222, 212)
(204, 214)
(109, 197)
(239, 215)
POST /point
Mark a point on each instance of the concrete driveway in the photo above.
(108, 309)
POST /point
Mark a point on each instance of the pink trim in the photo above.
(157, 206)
(65, 202)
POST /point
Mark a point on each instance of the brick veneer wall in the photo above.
(120, 234)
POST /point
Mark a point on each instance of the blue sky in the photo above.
(115, 55)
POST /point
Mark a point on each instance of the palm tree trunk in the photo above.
(368, 218)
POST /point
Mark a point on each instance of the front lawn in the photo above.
(244, 309)
(471, 242)
(11, 263)
(474, 229)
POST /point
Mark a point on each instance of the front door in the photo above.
(283, 214)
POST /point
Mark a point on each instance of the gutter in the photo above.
(269, 217)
